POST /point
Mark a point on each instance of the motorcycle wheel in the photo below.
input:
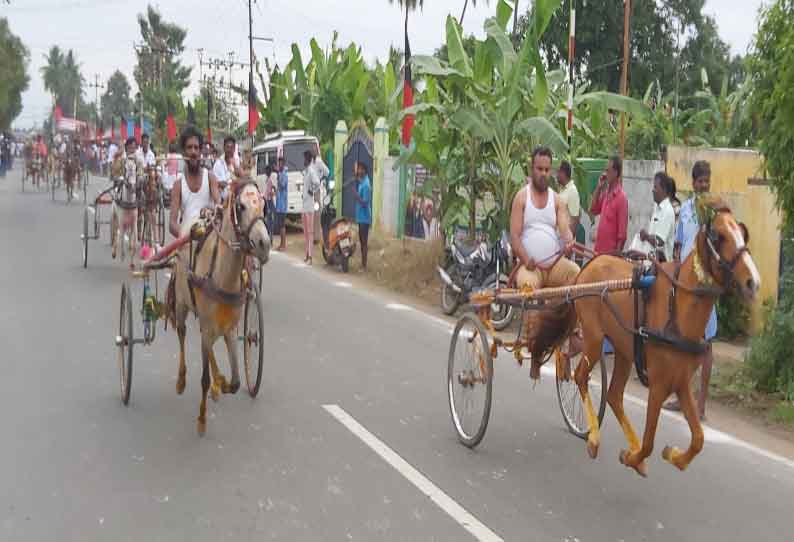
(501, 315)
(450, 300)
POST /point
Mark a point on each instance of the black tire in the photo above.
(450, 299)
(501, 315)
(345, 263)
(570, 400)
(467, 377)
(114, 228)
(125, 343)
(85, 238)
(252, 339)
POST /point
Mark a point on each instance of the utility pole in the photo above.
(96, 87)
(624, 90)
(571, 82)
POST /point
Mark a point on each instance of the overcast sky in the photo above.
(102, 32)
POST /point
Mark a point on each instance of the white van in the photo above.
(291, 145)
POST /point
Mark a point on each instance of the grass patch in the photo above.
(783, 413)
(405, 266)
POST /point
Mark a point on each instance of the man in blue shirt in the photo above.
(685, 237)
(282, 189)
(363, 196)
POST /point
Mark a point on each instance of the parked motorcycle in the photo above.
(472, 267)
(338, 244)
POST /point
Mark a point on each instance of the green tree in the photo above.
(655, 28)
(116, 100)
(14, 80)
(771, 66)
(158, 64)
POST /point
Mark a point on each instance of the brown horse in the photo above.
(677, 311)
(214, 288)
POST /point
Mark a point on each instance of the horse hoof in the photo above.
(233, 387)
(592, 449)
(672, 455)
(180, 385)
(202, 427)
(215, 392)
(641, 467)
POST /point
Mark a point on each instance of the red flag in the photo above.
(137, 130)
(253, 111)
(123, 130)
(408, 93)
(170, 123)
(58, 114)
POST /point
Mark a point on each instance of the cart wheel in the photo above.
(125, 343)
(114, 226)
(161, 225)
(470, 379)
(97, 220)
(570, 399)
(252, 339)
(85, 238)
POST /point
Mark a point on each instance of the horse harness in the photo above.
(644, 276)
(200, 232)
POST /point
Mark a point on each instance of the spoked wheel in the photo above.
(114, 230)
(161, 224)
(570, 400)
(252, 339)
(85, 238)
(125, 342)
(470, 379)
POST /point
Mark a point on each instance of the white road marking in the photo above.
(399, 307)
(342, 284)
(422, 483)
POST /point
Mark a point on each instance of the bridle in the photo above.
(713, 244)
(242, 238)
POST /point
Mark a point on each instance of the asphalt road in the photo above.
(77, 465)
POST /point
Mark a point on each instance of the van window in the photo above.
(271, 158)
(293, 153)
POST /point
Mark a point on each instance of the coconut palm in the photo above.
(52, 72)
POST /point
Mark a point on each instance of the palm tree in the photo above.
(465, 5)
(52, 72)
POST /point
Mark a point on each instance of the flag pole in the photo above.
(250, 65)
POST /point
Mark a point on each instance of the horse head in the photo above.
(724, 250)
(249, 223)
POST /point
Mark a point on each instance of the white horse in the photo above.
(124, 222)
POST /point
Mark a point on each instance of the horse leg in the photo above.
(581, 377)
(205, 386)
(181, 331)
(656, 395)
(218, 380)
(620, 377)
(673, 455)
(231, 347)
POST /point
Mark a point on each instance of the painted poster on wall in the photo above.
(423, 208)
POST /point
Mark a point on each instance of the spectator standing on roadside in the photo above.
(363, 196)
(282, 190)
(569, 195)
